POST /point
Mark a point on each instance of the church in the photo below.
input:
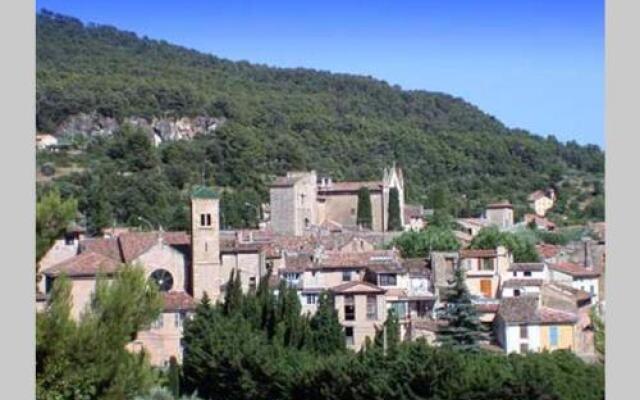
(184, 265)
(301, 200)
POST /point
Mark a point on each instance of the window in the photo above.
(524, 348)
(306, 222)
(312, 298)
(252, 284)
(487, 264)
(353, 211)
(349, 308)
(516, 292)
(527, 273)
(69, 239)
(346, 276)
(348, 333)
(179, 318)
(205, 219)
(372, 307)
(388, 279)
(592, 290)
(524, 332)
(515, 274)
(163, 279)
(553, 336)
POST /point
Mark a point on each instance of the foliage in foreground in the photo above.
(87, 359)
(242, 353)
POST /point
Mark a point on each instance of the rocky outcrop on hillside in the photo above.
(159, 129)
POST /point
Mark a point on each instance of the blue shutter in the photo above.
(553, 336)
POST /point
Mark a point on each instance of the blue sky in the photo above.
(537, 65)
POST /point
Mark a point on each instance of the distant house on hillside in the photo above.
(45, 141)
(541, 201)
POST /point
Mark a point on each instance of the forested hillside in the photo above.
(277, 119)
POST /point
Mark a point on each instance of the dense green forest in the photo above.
(347, 126)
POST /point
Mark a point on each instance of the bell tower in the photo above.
(205, 243)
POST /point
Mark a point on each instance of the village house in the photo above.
(524, 278)
(500, 214)
(524, 325)
(541, 223)
(45, 141)
(485, 270)
(542, 201)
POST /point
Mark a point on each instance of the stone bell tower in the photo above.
(205, 243)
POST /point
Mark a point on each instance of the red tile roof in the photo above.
(375, 258)
(478, 253)
(85, 264)
(357, 287)
(297, 263)
(413, 212)
(178, 301)
(548, 250)
(525, 309)
(575, 270)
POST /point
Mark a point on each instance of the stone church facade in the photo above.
(299, 201)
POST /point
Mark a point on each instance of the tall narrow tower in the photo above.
(205, 243)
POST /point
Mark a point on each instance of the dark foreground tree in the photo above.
(463, 329)
(364, 216)
(394, 223)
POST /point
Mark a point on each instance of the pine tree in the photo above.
(327, 336)
(394, 210)
(364, 217)
(463, 328)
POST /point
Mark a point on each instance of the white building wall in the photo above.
(513, 340)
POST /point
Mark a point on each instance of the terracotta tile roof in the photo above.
(350, 186)
(178, 301)
(88, 263)
(575, 270)
(478, 253)
(297, 263)
(108, 247)
(233, 246)
(548, 250)
(416, 266)
(378, 259)
(479, 222)
(517, 283)
(525, 309)
(580, 295)
(540, 221)
(519, 267)
(357, 287)
(134, 244)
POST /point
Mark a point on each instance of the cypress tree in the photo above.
(464, 330)
(174, 377)
(392, 328)
(364, 217)
(394, 223)
(233, 293)
(327, 336)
